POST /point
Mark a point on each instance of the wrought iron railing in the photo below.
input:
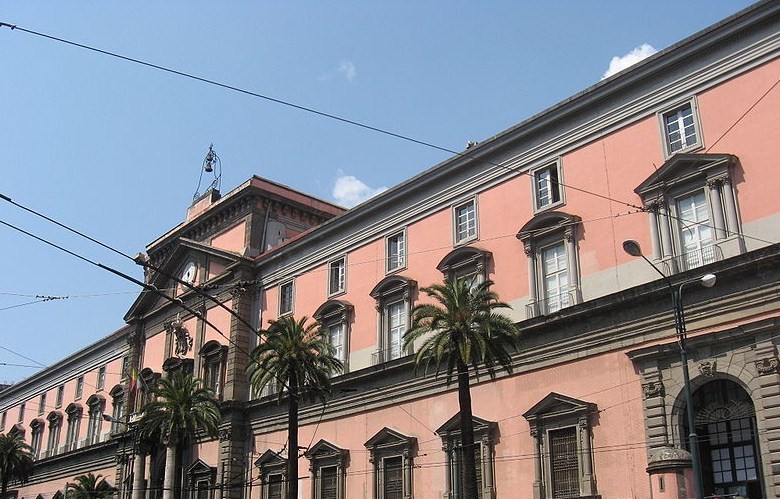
(550, 304)
(386, 354)
(692, 259)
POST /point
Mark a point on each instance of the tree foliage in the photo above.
(16, 460)
(89, 486)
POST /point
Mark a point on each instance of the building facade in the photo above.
(677, 153)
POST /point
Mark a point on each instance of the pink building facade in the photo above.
(677, 153)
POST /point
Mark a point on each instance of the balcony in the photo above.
(385, 355)
(692, 260)
(550, 305)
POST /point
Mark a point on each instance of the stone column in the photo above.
(530, 255)
(731, 208)
(139, 472)
(588, 481)
(717, 208)
(538, 481)
(655, 241)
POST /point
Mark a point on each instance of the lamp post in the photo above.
(708, 280)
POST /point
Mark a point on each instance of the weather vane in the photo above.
(211, 164)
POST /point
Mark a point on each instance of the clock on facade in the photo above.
(189, 272)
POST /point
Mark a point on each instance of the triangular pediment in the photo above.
(556, 405)
(453, 425)
(324, 449)
(683, 168)
(270, 458)
(387, 437)
(185, 251)
(199, 467)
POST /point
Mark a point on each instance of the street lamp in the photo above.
(708, 280)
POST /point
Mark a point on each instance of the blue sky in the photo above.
(115, 149)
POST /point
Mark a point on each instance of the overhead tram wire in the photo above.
(147, 287)
(306, 109)
(139, 261)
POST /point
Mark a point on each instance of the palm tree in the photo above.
(16, 460)
(293, 357)
(463, 331)
(89, 486)
(181, 409)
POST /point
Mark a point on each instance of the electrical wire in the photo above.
(306, 109)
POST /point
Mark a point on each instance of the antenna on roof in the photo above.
(211, 164)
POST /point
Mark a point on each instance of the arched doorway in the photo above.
(728, 446)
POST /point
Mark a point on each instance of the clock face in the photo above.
(189, 272)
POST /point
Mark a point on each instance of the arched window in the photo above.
(117, 407)
(55, 426)
(466, 262)
(36, 426)
(393, 297)
(550, 241)
(96, 405)
(335, 315)
(74, 412)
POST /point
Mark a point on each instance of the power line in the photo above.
(305, 109)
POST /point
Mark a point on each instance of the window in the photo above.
(562, 425)
(101, 378)
(334, 316)
(37, 427)
(213, 364)
(466, 262)
(125, 367)
(547, 187)
(337, 276)
(328, 467)
(117, 408)
(79, 387)
(96, 405)
(60, 395)
(395, 251)
(55, 425)
(21, 412)
(272, 475)
(394, 297)
(286, 297)
(692, 210)
(465, 221)
(2, 421)
(680, 128)
(483, 454)
(202, 479)
(42, 404)
(74, 412)
(391, 454)
(553, 275)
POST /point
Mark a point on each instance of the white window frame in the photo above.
(471, 233)
(36, 437)
(101, 378)
(55, 428)
(282, 309)
(339, 266)
(398, 239)
(79, 390)
(554, 186)
(335, 313)
(74, 427)
(42, 404)
(698, 143)
(554, 302)
(391, 291)
(213, 356)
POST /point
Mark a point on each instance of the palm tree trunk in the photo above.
(469, 464)
(169, 482)
(292, 439)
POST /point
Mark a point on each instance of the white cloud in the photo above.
(349, 191)
(345, 68)
(348, 70)
(618, 64)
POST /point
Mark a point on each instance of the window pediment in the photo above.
(117, 391)
(177, 363)
(200, 468)
(685, 168)
(212, 348)
(337, 310)
(387, 437)
(270, 458)
(546, 223)
(73, 408)
(465, 256)
(54, 417)
(325, 450)
(37, 423)
(391, 285)
(558, 406)
(96, 401)
(452, 426)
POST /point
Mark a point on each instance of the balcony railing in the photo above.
(385, 355)
(692, 260)
(550, 304)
